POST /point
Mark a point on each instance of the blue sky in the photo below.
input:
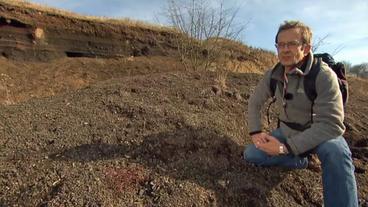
(345, 22)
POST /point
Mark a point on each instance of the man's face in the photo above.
(290, 47)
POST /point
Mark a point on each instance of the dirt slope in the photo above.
(166, 139)
(21, 81)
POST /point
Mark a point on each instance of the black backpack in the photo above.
(310, 79)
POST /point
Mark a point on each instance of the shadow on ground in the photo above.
(202, 156)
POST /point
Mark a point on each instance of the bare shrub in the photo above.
(201, 27)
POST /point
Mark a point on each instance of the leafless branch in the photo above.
(200, 28)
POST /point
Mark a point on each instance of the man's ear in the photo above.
(307, 49)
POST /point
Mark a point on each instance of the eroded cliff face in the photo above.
(31, 34)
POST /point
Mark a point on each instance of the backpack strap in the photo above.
(310, 83)
(273, 82)
(268, 109)
(273, 86)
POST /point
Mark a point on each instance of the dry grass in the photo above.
(5, 88)
(241, 58)
(69, 14)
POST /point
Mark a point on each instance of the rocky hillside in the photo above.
(32, 33)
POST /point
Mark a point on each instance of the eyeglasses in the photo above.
(292, 44)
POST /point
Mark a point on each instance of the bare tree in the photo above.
(347, 65)
(320, 41)
(201, 24)
(360, 70)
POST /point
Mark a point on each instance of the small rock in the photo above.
(141, 192)
(56, 182)
(50, 142)
(229, 93)
(360, 170)
(197, 76)
(363, 203)
(216, 90)
(222, 183)
(238, 96)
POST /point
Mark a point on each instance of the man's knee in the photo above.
(254, 155)
(334, 150)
